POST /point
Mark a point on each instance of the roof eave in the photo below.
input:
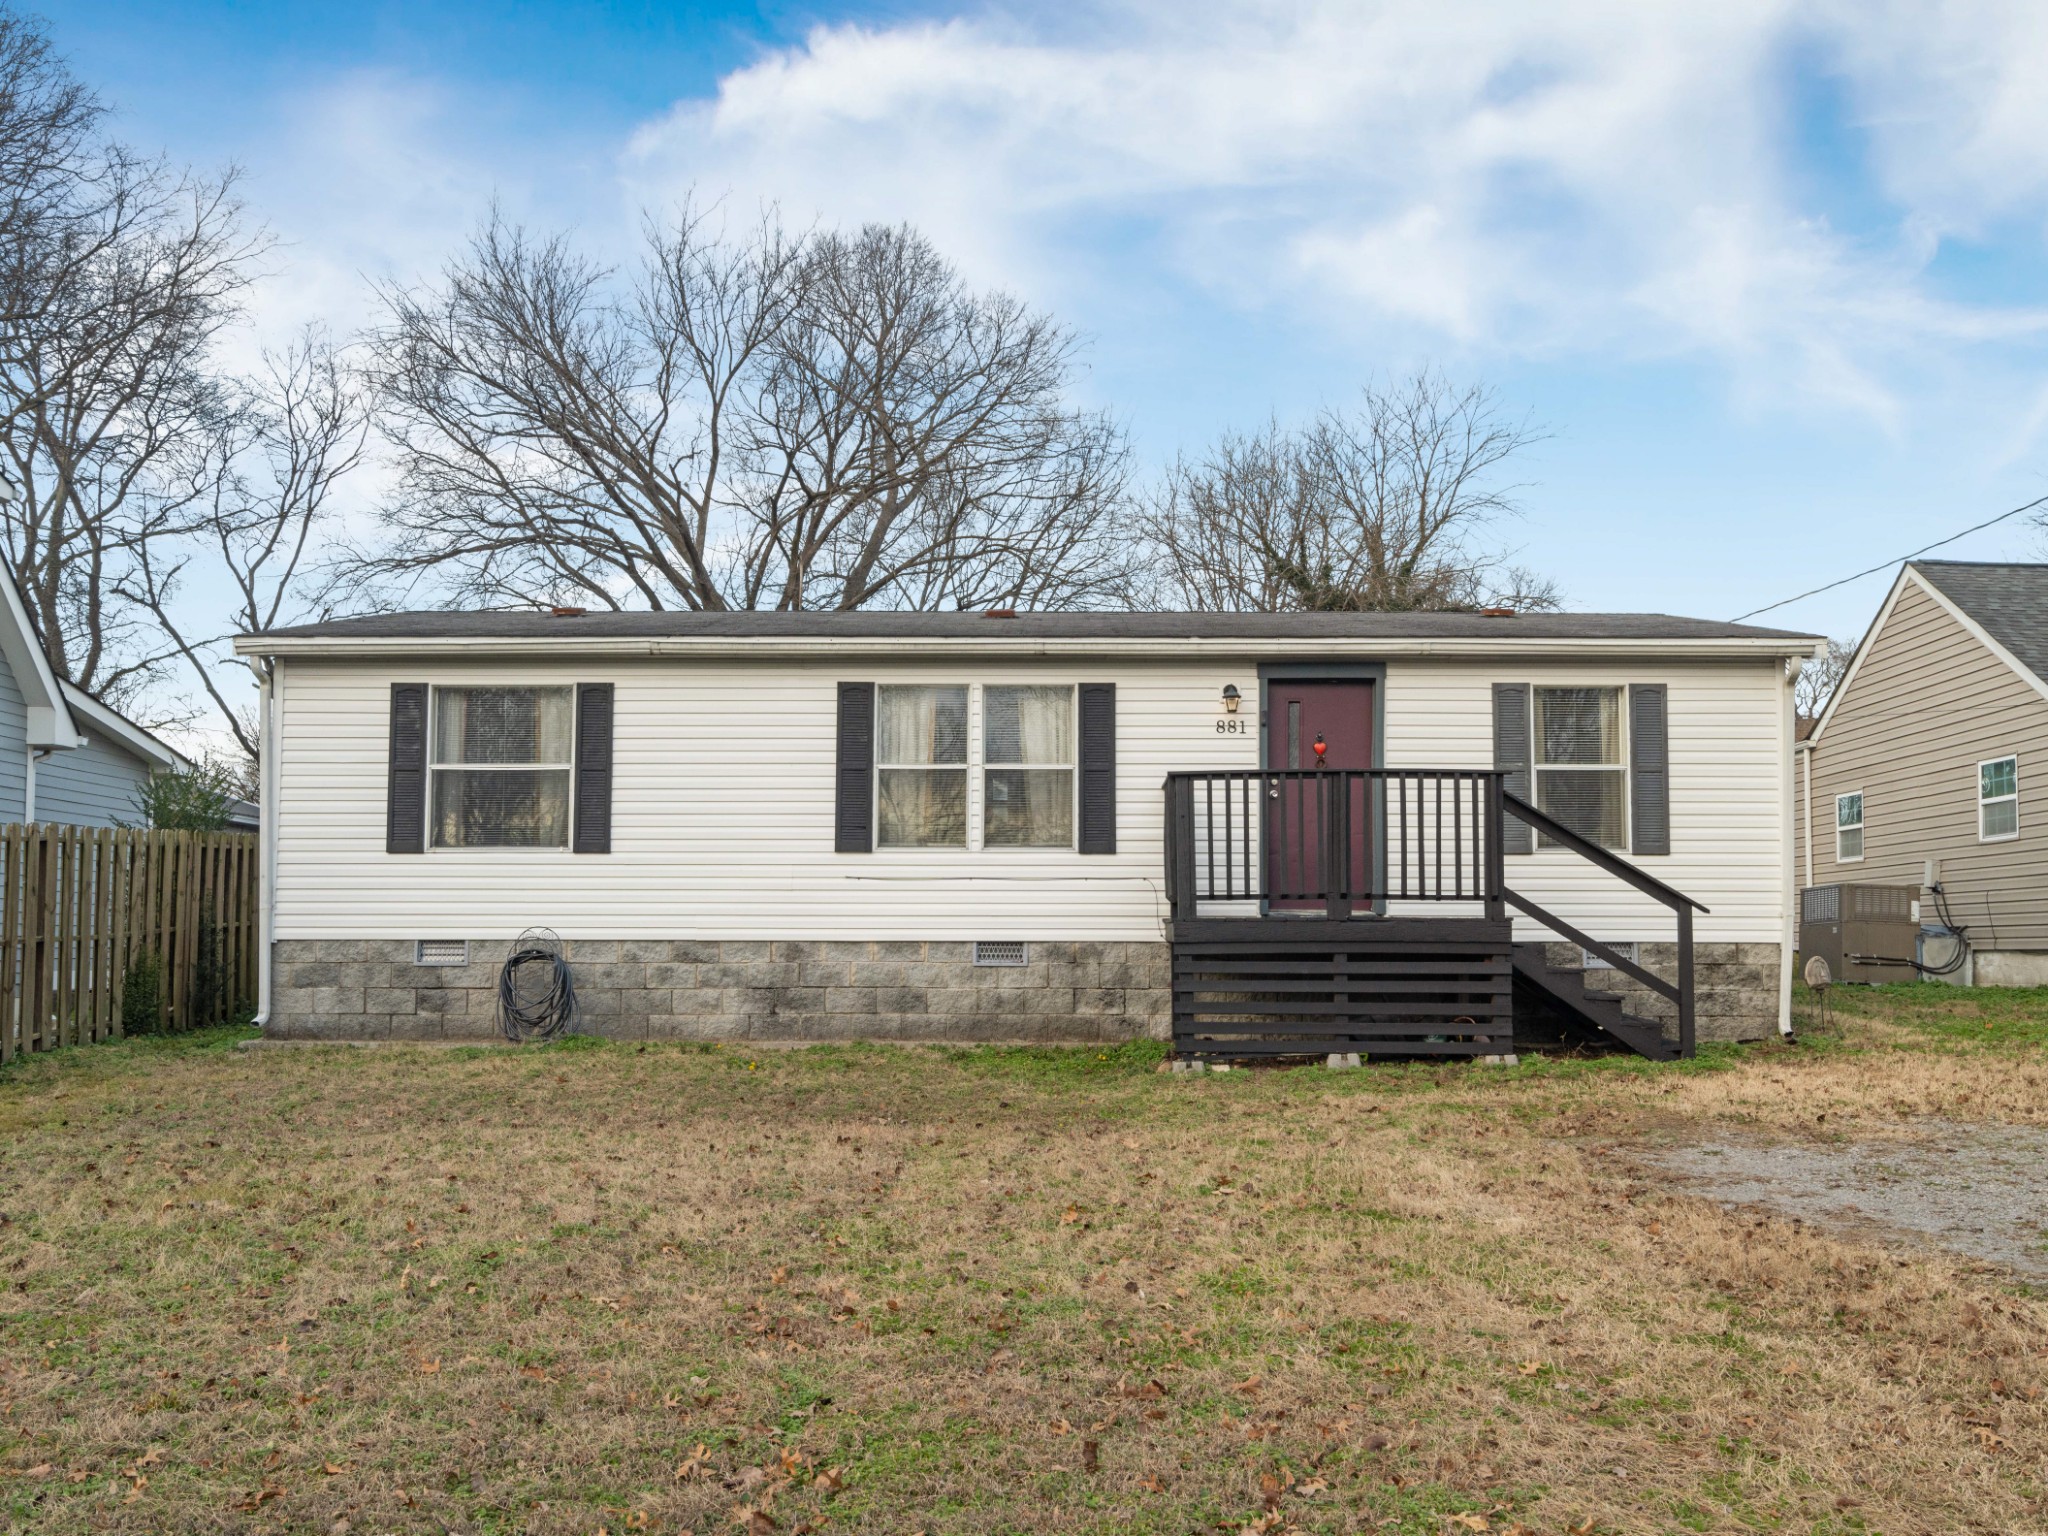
(724, 646)
(126, 732)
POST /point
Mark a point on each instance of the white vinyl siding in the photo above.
(1730, 746)
(96, 785)
(723, 805)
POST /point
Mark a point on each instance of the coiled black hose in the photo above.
(536, 994)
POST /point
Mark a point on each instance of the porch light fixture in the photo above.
(1230, 698)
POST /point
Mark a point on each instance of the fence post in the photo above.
(1180, 810)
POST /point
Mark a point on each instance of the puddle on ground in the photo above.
(1976, 1190)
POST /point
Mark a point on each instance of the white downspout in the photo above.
(266, 833)
(1788, 729)
(28, 787)
(1806, 762)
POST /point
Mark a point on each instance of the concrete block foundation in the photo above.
(1066, 993)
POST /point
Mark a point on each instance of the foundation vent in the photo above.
(1001, 952)
(441, 952)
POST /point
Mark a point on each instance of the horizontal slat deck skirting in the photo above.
(1391, 986)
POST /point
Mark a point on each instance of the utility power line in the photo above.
(1888, 564)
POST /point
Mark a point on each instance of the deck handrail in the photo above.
(1679, 991)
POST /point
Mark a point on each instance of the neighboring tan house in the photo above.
(65, 756)
(1305, 832)
(1932, 755)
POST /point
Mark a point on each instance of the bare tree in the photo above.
(767, 421)
(1382, 507)
(116, 274)
(1818, 680)
(258, 503)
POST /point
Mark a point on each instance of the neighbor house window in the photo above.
(921, 766)
(1581, 770)
(500, 766)
(1849, 827)
(1027, 776)
(1998, 799)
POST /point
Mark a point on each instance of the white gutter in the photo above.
(1161, 648)
(1789, 885)
(266, 833)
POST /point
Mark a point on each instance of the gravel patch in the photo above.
(1974, 1189)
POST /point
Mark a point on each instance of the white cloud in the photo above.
(1604, 175)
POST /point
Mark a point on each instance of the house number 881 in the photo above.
(1230, 725)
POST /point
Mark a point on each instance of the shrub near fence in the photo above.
(82, 909)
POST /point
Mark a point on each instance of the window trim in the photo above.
(2012, 799)
(964, 767)
(977, 752)
(1537, 767)
(498, 850)
(976, 768)
(1859, 826)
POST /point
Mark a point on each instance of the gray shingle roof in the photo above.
(2010, 601)
(1166, 627)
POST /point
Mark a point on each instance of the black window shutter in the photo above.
(855, 829)
(1511, 756)
(405, 794)
(1098, 767)
(1649, 768)
(593, 768)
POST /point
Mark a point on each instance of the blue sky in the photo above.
(1770, 273)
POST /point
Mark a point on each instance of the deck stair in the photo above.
(1558, 997)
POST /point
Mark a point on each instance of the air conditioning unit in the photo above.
(1866, 933)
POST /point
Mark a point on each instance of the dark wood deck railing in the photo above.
(1341, 841)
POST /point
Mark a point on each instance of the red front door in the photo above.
(1301, 717)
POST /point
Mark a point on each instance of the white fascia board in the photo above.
(49, 721)
(124, 731)
(724, 647)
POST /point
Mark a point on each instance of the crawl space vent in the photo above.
(1000, 952)
(441, 952)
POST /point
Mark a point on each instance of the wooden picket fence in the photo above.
(82, 908)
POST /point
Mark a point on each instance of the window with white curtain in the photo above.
(921, 765)
(1581, 766)
(1998, 799)
(1027, 774)
(500, 767)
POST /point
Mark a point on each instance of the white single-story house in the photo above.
(65, 756)
(1422, 833)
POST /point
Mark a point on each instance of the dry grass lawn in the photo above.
(877, 1290)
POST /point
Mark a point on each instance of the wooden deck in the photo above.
(1295, 956)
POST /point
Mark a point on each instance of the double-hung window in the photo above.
(1849, 827)
(1581, 765)
(500, 767)
(1021, 759)
(1998, 799)
(1027, 775)
(921, 765)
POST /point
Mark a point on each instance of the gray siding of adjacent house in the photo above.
(13, 745)
(92, 786)
(1928, 703)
